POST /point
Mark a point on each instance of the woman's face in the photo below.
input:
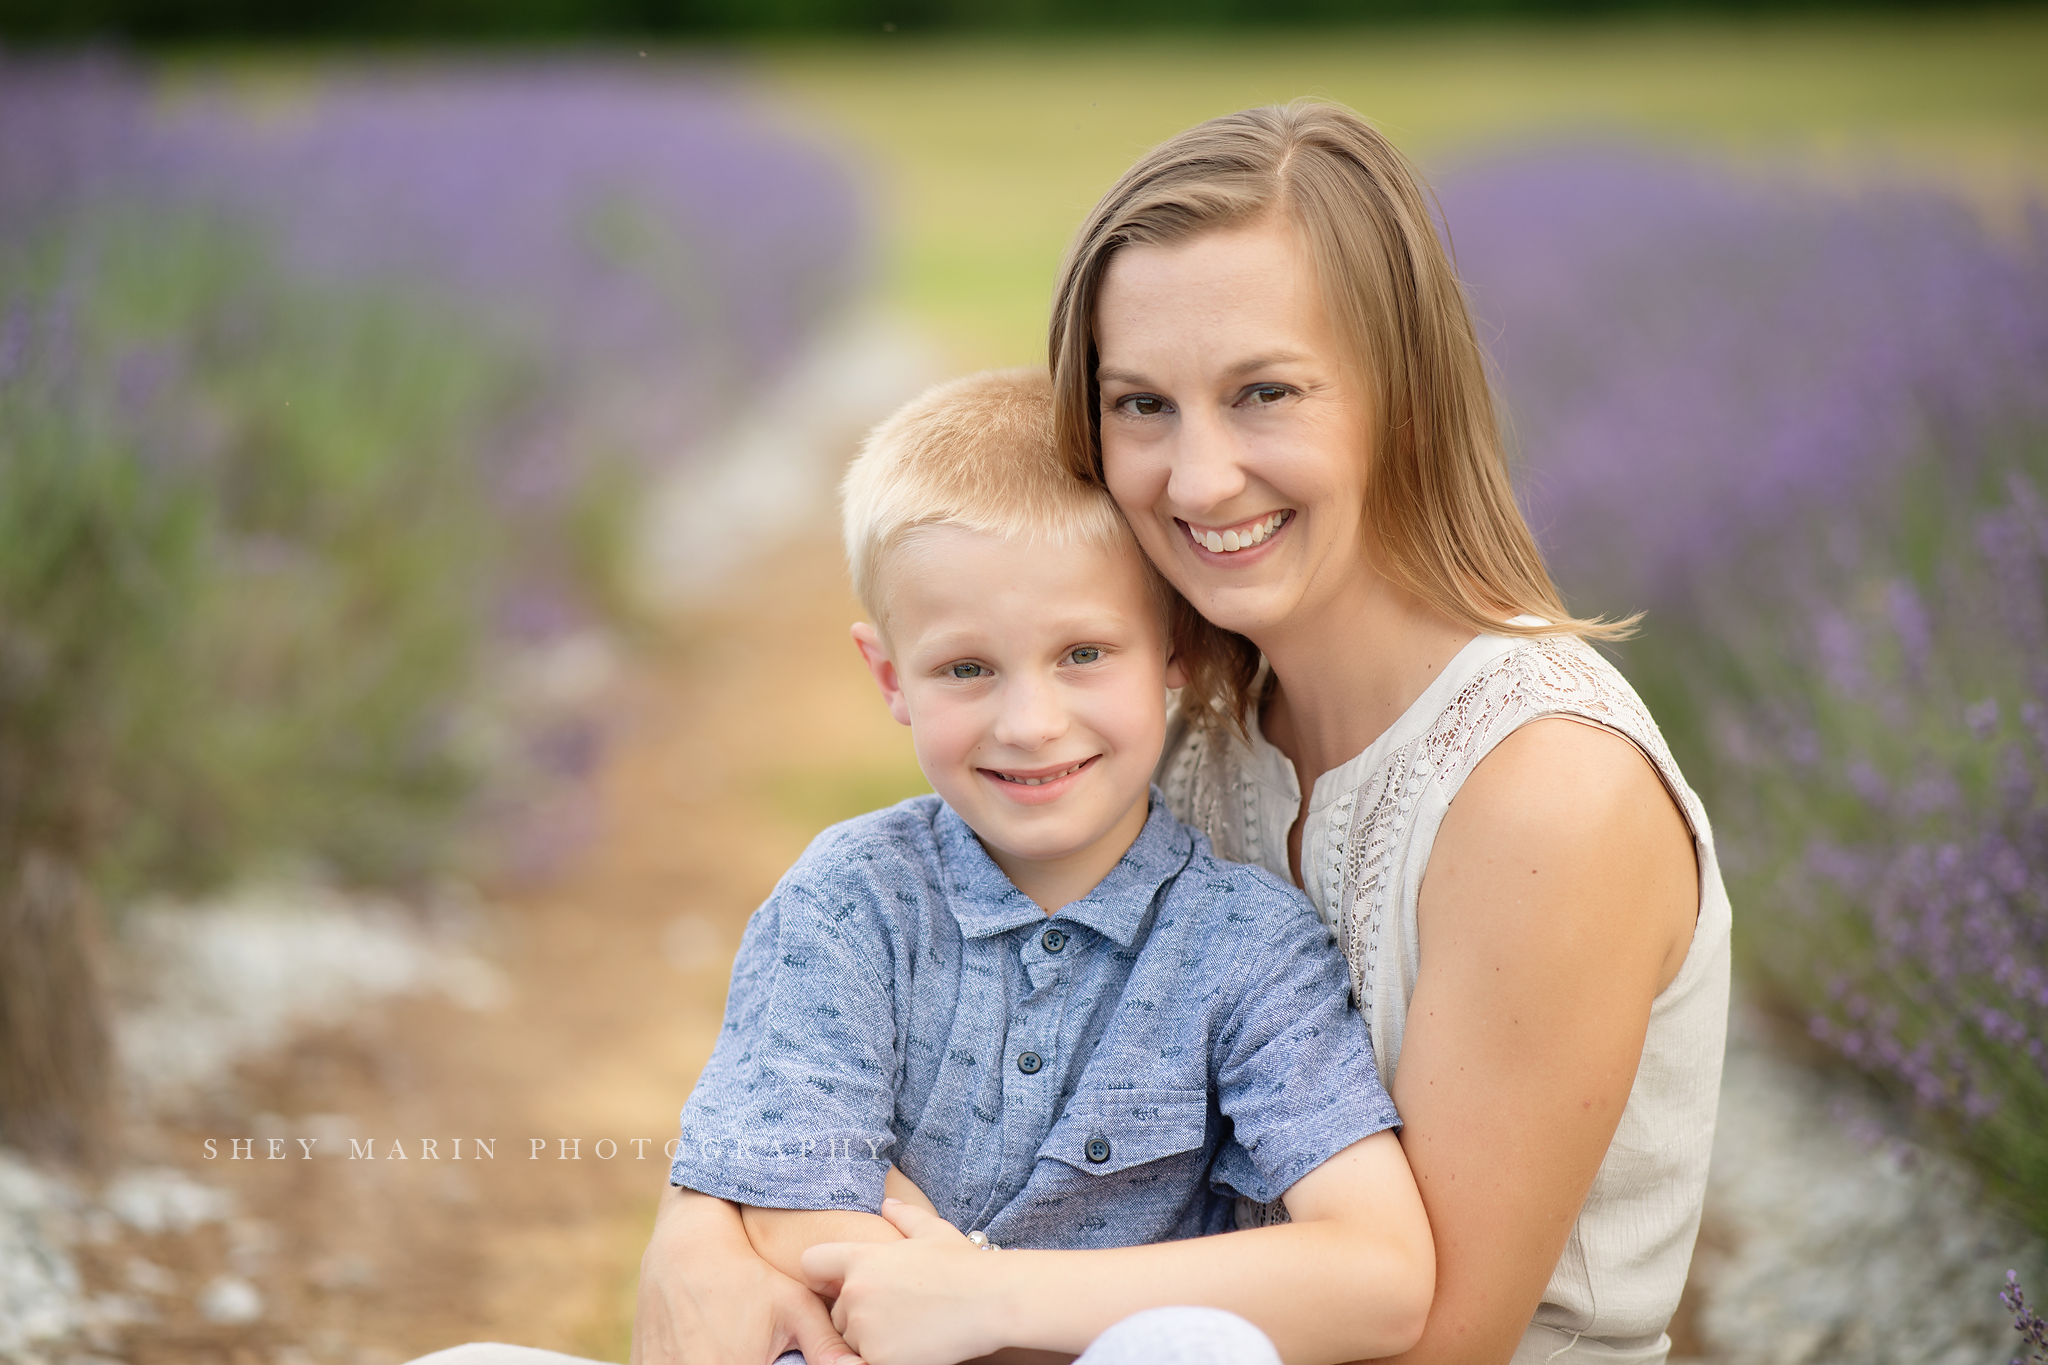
(1234, 434)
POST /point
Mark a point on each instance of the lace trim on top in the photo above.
(1368, 828)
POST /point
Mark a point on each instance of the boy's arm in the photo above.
(795, 1105)
(782, 1236)
(1350, 1278)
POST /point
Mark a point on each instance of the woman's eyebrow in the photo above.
(1265, 361)
(1238, 369)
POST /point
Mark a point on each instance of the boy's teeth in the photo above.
(1039, 781)
(1225, 542)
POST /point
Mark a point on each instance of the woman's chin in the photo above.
(1247, 609)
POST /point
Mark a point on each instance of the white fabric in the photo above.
(497, 1353)
(1157, 1336)
(1366, 842)
(1181, 1336)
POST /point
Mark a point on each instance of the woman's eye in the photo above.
(966, 670)
(1143, 404)
(1086, 654)
(1266, 393)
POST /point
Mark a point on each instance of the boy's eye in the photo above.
(965, 670)
(1086, 654)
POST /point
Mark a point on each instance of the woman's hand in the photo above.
(707, 1299)
(921, 1301)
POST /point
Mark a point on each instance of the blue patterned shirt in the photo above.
(1102, 1077)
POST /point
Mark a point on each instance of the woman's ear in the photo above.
(875, 654)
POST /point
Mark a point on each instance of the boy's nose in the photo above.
(1031, 716)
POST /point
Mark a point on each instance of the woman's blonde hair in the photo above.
(1438, 497)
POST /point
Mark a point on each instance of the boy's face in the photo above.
(1033, 678)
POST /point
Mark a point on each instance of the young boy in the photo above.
(1035, 998)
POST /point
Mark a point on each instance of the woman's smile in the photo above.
(1235, 539)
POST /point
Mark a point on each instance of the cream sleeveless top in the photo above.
(1365, 846)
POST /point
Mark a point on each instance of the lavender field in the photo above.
(317, 388)
(329, 393)
(1807, 433)
(325, 398)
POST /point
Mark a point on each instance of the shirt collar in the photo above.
(986, 902)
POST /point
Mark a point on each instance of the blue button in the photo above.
(1052, 940)
(1030, 1063)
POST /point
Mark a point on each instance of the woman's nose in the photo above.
(1206, 471)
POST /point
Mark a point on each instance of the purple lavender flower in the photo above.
(383, 337)
(1809, 432)
(2033, 1331)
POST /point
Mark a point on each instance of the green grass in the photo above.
(986, 152)
(243, 556)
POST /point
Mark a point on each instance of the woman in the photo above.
(1260, 347)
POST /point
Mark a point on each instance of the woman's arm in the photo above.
(1350, 1276)
(707, 1299)
(782, 1236)
(1559, 900)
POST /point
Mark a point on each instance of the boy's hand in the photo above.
(707, 1299)
(922, 1301)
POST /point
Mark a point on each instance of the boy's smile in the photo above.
(1033, 677)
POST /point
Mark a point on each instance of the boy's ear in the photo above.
(874, 654)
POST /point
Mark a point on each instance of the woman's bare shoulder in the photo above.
(1571, 821)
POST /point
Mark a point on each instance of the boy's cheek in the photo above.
(944, 739)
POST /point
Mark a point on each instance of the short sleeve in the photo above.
(793, 1110)
(1295, 1071)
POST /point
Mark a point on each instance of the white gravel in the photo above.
(206, 986)
(230, 1299)
(40, 1295)
(1850, 1245)
(203, 988)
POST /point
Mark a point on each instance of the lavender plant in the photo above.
(1809, 432)
(2033, 1331)
(289, 369)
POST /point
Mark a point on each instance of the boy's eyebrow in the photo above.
(1079, 629)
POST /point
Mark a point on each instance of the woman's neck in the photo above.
(1349, 667)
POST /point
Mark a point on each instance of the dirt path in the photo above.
(734, 743)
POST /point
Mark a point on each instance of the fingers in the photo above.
(897, 1185)
(825, 1266)
(817, 1335)
(913, 1220)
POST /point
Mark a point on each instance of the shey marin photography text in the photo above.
(308, 1148)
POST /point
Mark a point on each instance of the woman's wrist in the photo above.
(694, 1218)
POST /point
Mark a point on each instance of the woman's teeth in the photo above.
(1041, 781)
(1226, 542)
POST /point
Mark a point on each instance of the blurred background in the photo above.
(422, 629)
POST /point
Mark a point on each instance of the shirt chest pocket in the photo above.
(1106, 1131)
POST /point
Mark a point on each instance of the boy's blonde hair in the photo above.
(977, 453)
